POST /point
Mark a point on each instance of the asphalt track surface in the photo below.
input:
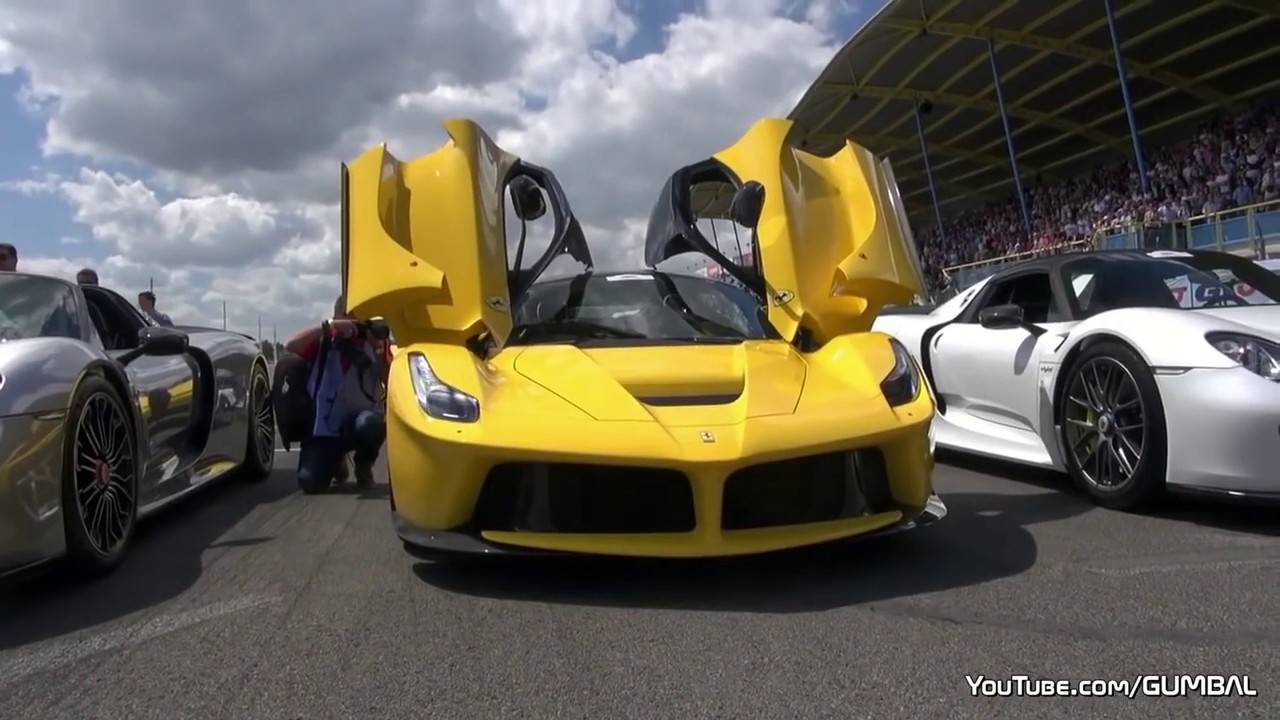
(252, 601)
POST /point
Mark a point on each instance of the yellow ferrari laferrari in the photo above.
(644, 413)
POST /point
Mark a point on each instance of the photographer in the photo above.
(346, 385)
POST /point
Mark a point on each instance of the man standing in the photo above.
(8, 258)
(87, 276)
(147, 302)
(346, 381)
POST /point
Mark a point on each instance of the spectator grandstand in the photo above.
(1228, 164)
(1012, 132)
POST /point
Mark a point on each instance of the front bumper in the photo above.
(1223, 432)
(572, 484)
(427, 544)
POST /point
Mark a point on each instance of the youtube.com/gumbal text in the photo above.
(1134, 687)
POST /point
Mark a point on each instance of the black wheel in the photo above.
(1113, 427)
(260, 450)
(100, 469)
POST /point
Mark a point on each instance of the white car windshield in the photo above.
(1180, 280)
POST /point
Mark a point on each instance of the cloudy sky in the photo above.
(196, 144)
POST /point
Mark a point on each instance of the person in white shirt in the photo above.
(147, 302)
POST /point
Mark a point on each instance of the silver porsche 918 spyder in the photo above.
(106, 417)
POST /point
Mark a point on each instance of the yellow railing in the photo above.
(1024, 255)
(1245, 230)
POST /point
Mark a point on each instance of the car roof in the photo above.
(1052, 263)
(39, 276)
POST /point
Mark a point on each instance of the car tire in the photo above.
(1110, 400)
(99, 479)
(260, 447)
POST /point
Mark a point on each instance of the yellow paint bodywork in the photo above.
(427, 248)
(835, 243)
(791, 405)
(424, 249)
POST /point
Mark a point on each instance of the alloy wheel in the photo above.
(1105, 423)
(264, 420)
(105, 471)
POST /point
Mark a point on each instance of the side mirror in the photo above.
(1002, 317)
(527, 199)
(157, 342)
(748, 203)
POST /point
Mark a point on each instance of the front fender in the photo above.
(39, 375)
(1164, 338)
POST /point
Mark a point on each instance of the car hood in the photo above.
(1262, 319)
(678, 386)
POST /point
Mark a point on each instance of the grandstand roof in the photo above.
(1185, 58)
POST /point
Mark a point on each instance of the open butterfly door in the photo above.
(423, 242)
(833, 242)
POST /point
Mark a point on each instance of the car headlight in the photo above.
(902, 384)
(1256, 355)
(437, 398)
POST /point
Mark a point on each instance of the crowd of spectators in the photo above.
(1231, 162)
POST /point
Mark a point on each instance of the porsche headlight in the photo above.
(437, 398)
(1256, 355)
(902, 384)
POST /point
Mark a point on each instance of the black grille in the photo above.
(809, 489)
(565, 498)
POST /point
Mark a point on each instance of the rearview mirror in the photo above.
(527, 199)
(748, 203)
(1002, 317)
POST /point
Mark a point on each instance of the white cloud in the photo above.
(209, 150)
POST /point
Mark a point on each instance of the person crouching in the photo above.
(349, 370)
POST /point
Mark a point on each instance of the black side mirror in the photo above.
(748, 203)
(527, 198)
(1002, 317)
(1007, 317)
(157, 342)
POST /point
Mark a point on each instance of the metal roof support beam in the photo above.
(1065, 47)
(915, 30)
(928, 171)
(1052, 120)
(1008, 137)
(1138, 157)
(1051, 84)
(1240, 99)
(994, 189)
(1044, 87)
(875, 142)
(1266, 8)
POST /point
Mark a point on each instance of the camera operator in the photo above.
(348, 412)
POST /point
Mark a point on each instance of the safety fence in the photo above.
(1250, 231)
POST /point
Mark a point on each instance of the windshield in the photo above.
(1169, 280)
(625, 308)
(33, 307)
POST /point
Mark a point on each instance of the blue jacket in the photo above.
(327, 395)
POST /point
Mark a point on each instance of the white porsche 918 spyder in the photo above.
(1131, 370)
